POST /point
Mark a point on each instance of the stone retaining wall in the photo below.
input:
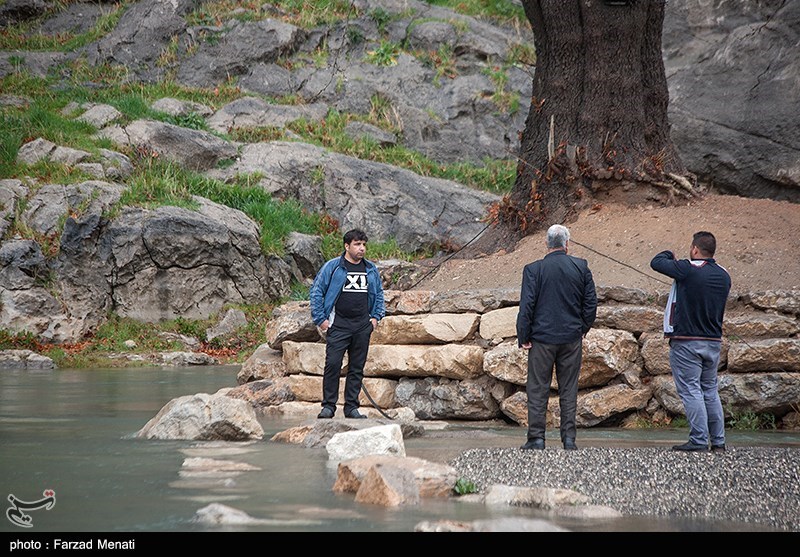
(454, 356)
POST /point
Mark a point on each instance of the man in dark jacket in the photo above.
(557, 307)
(693, 325)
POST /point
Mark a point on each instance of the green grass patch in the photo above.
(159, 182)
(111, 336)
(506, 101)
(496, 176)
(501, 11)
(333, 246)
(301, 13)
(44, 116)
(442, 61)
(240, 344)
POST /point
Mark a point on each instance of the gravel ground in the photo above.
(748, 484)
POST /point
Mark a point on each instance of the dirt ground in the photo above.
(758, 242)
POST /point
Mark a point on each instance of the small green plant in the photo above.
(191, 120)
(385, 54)
(442, 61)
(640, 422)
(503, 11)
(169, 54)
(17, 62)
(505, 101)
(354, 35)
(189, 327)
(680, 422)
(299, 292)
(381, 18)
(751, 421)
(464, 486)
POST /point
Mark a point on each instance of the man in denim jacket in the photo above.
(346, 304)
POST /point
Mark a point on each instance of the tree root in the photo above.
(677, 185)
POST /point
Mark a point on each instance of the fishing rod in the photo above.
(372, 401)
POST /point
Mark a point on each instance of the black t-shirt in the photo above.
(352, 306)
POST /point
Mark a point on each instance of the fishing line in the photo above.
(619, 262)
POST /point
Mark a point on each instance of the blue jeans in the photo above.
(694, 366)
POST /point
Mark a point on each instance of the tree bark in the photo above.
(597, 125)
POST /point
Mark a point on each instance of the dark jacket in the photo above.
(558, 302)
(696, 303)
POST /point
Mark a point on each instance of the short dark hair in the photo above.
(355, 234)
(705, 242)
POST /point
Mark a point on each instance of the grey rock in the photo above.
(306, 251)
(194, 149)
(740, 134)
(234, 319)
(25, 359)
(35, 151)
(75, 19)
(36, 63)
(176, 107)
(243, 45)
(99, 115)
(16, 11)
(361, 130)
(140, 36)
(204, 417)
(251, 112)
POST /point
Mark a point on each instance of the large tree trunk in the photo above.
(597, 127)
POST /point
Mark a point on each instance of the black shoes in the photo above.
(689, 446)
(327, 413)
(537, 444)
(533, 444)
(718, 448)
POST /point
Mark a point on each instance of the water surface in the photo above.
(71, 431)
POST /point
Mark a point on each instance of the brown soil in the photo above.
(758, 242)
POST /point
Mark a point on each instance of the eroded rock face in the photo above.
(741, 132)
(391, 202)
(173, 262)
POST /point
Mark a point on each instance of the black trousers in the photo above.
(567, 360)
(356, 344)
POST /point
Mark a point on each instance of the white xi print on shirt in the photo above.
(356, 282)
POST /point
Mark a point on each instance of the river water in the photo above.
(70, 431)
